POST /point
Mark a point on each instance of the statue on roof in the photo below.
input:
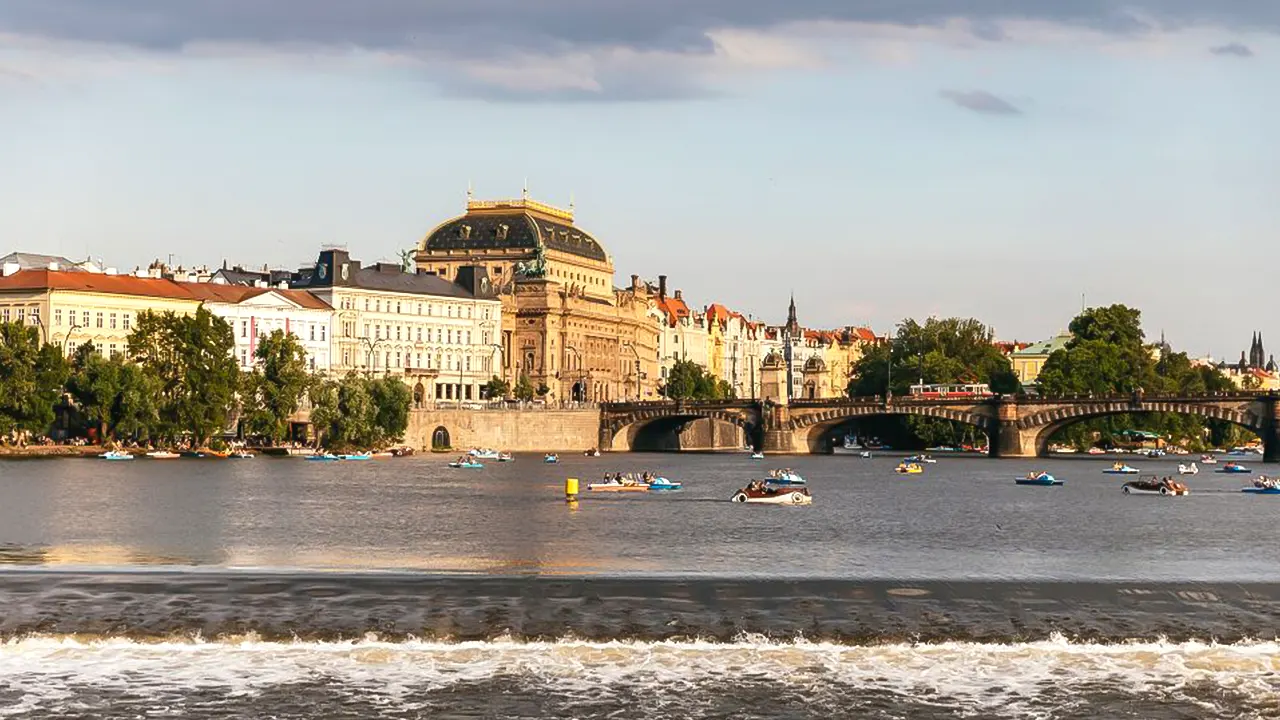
(535, 268)
(406, 260)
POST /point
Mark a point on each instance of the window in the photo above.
(419, 334)
(22, 315)
(419, 308)
(99, 319)
(85, 324)
(366, 330)
(244, 358)
(113, 321)
(114, 353)
(397, 308)
(366, 304)
(244, 328)
(468, 363)
(377, 306)
(397, 332)
(450, 336)
(5, 314)
(439, 335)
(57, 317)
(127, 319)
(398, 359)
(346, 358)
(417, 359)
(468, 337)
(322, 334)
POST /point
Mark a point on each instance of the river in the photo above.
(403, 589)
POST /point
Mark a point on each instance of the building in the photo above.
(1029, 360)
(1257, 371)
(72, 308)
(16, 261)
(566, 328)
(255, 312)
(251, 278)
(683, 331)
(440, 335)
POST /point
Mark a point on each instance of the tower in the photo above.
(791, 334)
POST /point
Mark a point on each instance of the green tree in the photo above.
(274, 390)
(951, 350)
(116, 396)
(189, 358)
(524, 389)
(391, 399)
(359, 412)
(687, 380)
(31, 379)
(496, 388)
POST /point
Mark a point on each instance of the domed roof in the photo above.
(513, 225)
(814, 364)
(772, 360)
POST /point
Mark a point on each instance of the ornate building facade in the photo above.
(566, 328)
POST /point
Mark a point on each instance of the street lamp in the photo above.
(372, 345)
(70, 330)
(581, 395)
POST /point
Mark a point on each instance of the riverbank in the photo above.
(15, 452)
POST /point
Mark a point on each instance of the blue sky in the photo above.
(880, 160)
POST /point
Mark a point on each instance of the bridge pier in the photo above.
(778, 435)
(1006, 439)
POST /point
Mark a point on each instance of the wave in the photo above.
(1027, 680)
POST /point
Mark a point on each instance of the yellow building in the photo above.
(564, 324)
(72, 308)
(1029, 361)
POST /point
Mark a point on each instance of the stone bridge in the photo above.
(1016, 426)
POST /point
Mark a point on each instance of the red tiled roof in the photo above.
(148, 287)
(675, 308)
(94, 282)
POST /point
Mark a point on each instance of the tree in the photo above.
(495, 388)
(524, 389)
(274, 390)
(359, 412)
(116, 396)
(951, 350)
(189, 359)
(31, 379)
(687, 380)
(1108, 355)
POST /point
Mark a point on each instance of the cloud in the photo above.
(1235, 48)
(981, 101)
(587, 48)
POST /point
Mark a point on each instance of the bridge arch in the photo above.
(810, 429)
(1041, 426)
(624, 431)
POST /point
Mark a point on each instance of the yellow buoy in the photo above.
(571, 489)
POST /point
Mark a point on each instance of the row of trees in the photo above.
(179, 383)
(1107, 355)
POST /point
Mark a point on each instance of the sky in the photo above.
(881, 160)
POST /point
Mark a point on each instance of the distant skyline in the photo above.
(881, 160)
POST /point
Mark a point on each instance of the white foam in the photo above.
(967, 676)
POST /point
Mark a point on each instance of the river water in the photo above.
(279, 588)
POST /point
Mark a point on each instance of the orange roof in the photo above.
(94, 282)
(218, 292)
(675, 308)
(865, 334)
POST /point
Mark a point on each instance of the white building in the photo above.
(684, 332)
(440, 336)
(254, 312)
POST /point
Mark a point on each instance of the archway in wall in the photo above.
(419, 395)
(440, 439)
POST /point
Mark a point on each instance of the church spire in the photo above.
(793, 324)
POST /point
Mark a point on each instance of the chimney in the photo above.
(662, 287)
(679, 295)
(635, 282)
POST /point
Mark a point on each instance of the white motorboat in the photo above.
(1191, 469)
(162, 455)
(116, 455)
(757, 456)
